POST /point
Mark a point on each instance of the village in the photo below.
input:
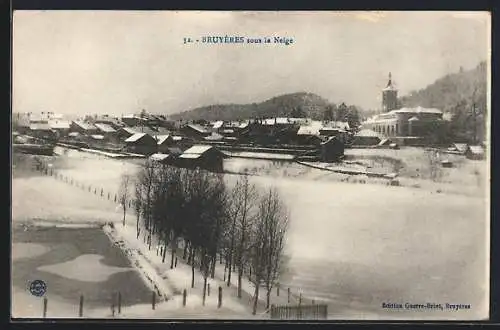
(303, 181)
(205, 144)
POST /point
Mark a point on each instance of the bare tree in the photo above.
(274, 218)
(124, 193)
(242, 210)
(138, 205)
(147, 180)
(268, 239)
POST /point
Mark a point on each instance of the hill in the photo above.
(464, 95)
(445, 93)
(300, 104)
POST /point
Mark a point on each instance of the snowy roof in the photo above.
(311, 129)
(135, 137)
(218, 124)
(476, 149)
(190, 156)
(198, 149)
(62, 124)
(214, 137)
(105, 128)
(243, 125)
(83, 125)
(198, 128)
(129, 130)
(39, 127)
(160, 139)
(97, 137)
(417, 110)
(177, 138)
(413, 119)
(461, 146)
(367, 133)
(159, 157)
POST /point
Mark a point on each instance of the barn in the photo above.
(367, 137)
(332, 150)
(202, 156)
(141, 143)
(195, 131)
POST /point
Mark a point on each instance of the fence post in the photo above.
(175, 265)
(208, 289)
(45, 301)
(220, 297)
(80, 310)
(288, 295)
(154, 299)
(113, 305)
(119, 303)
(184, 295)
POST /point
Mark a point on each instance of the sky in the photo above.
(118, 62)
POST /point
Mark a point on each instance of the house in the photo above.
(460, 147)
(475, 153)
(60, 126)
(151, 130)
(42, 131)
(125, 132)
(164, 142)
(141, 143)
(82, 127)
(132, 120)
(202, 156)
(114, 122)
(332, 150)
(367, 137)
(105, 129)
(195, 131)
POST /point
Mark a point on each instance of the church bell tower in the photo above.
(389, 96)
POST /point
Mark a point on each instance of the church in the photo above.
(402, 122)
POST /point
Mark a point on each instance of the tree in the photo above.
(267, 246)
(240, 208)
(147, 181)
(124, 193)
(274, 218)
(353, 118)
(341, 113)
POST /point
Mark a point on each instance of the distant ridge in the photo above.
(301, 104)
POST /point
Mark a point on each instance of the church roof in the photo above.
(390, 85)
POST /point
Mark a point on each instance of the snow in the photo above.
(28, 250)
(171, 282)
(85, 268)
(350, 245)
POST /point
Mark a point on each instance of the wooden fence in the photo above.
(299, 312)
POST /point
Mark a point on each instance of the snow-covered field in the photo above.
(354, 246)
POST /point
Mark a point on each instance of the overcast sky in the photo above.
(78, 62)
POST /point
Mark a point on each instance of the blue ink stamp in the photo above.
(38, 288)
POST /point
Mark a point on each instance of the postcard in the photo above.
(250, 165)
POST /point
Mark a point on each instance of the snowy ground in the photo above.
(351, 245)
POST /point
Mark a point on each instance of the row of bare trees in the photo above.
(196, 216)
